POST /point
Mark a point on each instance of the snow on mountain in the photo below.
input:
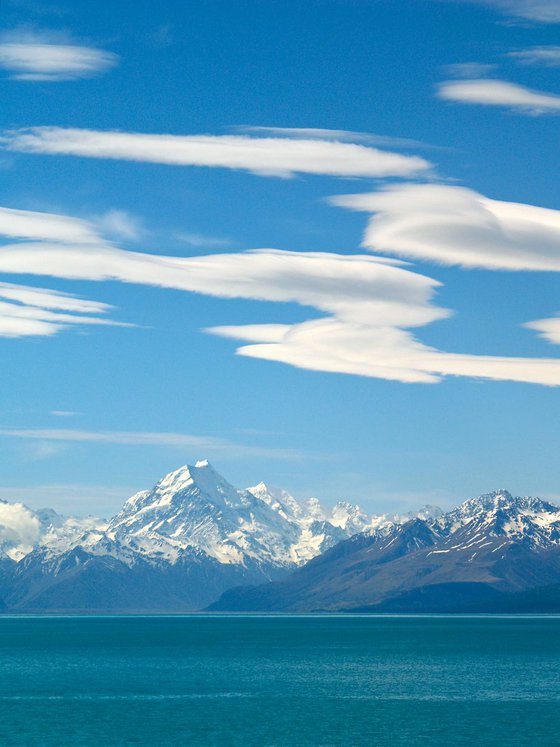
(193, 536)
(477, 557)
(192, 512)
(194, 508)
(22, 529)
(531, 521)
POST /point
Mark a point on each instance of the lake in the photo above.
(280, 680)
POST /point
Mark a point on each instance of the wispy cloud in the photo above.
(120, 224)
(204, 241)
(317, 133)
(74, 498)
(199, 444)
(280, 157)
(470, 69)
(30, 311)
(36, 57)
(545, 11)
(547, 56)
(491, 92)
(27, 311)
(457, 226)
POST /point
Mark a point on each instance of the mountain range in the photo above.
(177, 546)
(194, 541)
(493, 553)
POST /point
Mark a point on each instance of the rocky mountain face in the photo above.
(177, 546)
(492, 553)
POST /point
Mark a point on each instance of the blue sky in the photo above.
(395, 165)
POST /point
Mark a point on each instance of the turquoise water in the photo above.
(202, 680)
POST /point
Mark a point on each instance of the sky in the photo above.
(316, 243)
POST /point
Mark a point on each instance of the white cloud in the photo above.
(458, 226)
(206, 444)
(469, 69)
(26, 311)
(64, 413)
(489, 92)
(27, 224)
(357, 287)
(548, 56)
(203, 241)
(368, 304)
(18, 527)
(39, 57)
(270, 156)
(69, 497)
(120, 224)
(548, 329)
(317, 133)
(545, 11)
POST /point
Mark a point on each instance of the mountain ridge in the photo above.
(181, 543)
(483, 550)
(194, 541)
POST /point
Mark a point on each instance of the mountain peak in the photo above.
(503, 500)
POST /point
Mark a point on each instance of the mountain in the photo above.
(495, 552)
(177, 546)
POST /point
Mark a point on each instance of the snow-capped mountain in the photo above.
(22, 529)
(531, 521)
(193, 536)
(194, 507)
(193, 527)
(478, 556)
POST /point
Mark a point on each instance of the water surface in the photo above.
(275, 680)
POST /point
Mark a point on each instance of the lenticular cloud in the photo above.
(266, 156)
(458, 226)
(368, 306)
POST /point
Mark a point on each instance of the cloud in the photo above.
(205, 444)
(548, 329)
(203, 241)
(27, 224)
(548, 56)
(270, 156)
(39, 450)
(545, 11)
(120, 224)
(489, 92)
(71, 497)
(18, 526)
(316, 133)
(27, 311)
(367, 305)
(469, 69)
(35, 57)
(457, 226)
(64, 413)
